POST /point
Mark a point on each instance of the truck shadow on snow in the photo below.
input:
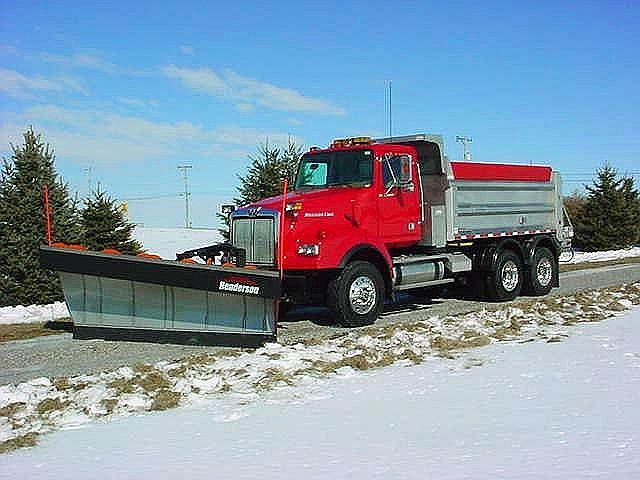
(323, 316)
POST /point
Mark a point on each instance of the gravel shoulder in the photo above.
(60, 355)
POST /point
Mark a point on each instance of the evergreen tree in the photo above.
(22, 222)
(104, 225)
(264, 176)
(632, 198)
(610, 215)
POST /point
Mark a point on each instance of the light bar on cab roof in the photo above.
(348, 142)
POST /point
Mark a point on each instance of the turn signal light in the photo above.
(293, 208)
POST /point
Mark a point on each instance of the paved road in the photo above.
(60, 355)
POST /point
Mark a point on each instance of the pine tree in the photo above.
(104, 225)
(610, 215)
(632, 198)
(264, 176)
(22, 222)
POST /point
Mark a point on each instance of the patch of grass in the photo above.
(272, 377)
(143, 368)
(62, 383)
(178, 371)
(24, 331)
(123, 385)
(445, 344)
(153, 380)
(49, 405)
(514, 329)
(28, 440)
(11, 409)
(165, 399)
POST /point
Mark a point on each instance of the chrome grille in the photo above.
(257, 237)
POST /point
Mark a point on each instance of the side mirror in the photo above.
(405, 170)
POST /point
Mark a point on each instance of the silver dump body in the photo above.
(463, 208)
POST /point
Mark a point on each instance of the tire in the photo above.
(356, 296)
(505, 282)
(544, 269)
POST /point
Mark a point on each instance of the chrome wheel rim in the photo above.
(544, 271)
(509, 275)
(362, 295)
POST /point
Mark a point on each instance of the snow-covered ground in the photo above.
(33, 313)
(582, 257)
(166, 242)
(509, 410)
(398, 420)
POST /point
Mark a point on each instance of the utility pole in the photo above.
(466, 154)
(187, 195)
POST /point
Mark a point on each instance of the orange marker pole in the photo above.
(281, 248)
(47, 214)
(281, 239)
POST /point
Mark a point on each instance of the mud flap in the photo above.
(121, 297)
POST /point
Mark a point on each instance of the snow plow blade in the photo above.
(122, 297)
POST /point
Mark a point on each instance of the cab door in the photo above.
(398, 200)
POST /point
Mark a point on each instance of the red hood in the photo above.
(275, 203)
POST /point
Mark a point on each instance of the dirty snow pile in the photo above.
(43, 405)
(604, 256)
(33, 313)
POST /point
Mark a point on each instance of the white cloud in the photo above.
(136, 102)
(15, 84)
(105, 137)
(187, 50)
(79, 60)
(247, 91)
(202, 79)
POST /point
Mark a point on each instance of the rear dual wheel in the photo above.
(544, 269)
(505, 281)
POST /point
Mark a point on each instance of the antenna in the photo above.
(466, 154)
(387, 107)
(187, 195)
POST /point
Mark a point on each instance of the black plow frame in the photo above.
(122, 297)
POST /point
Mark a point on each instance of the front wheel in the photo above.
(356, 296)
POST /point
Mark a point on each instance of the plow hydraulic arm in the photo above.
(225, 252)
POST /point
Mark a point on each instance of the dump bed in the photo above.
(478, 200)
(494, 199)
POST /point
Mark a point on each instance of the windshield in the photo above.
(348, 167)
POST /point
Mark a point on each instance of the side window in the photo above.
(392, 164)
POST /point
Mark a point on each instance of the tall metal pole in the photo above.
(466, 155)
(89, 172)
(185, 175)
(390, 117)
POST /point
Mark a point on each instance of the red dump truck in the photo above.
(365, 220)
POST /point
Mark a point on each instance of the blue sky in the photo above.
(133, 89)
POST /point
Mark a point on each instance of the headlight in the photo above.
(310, 250)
